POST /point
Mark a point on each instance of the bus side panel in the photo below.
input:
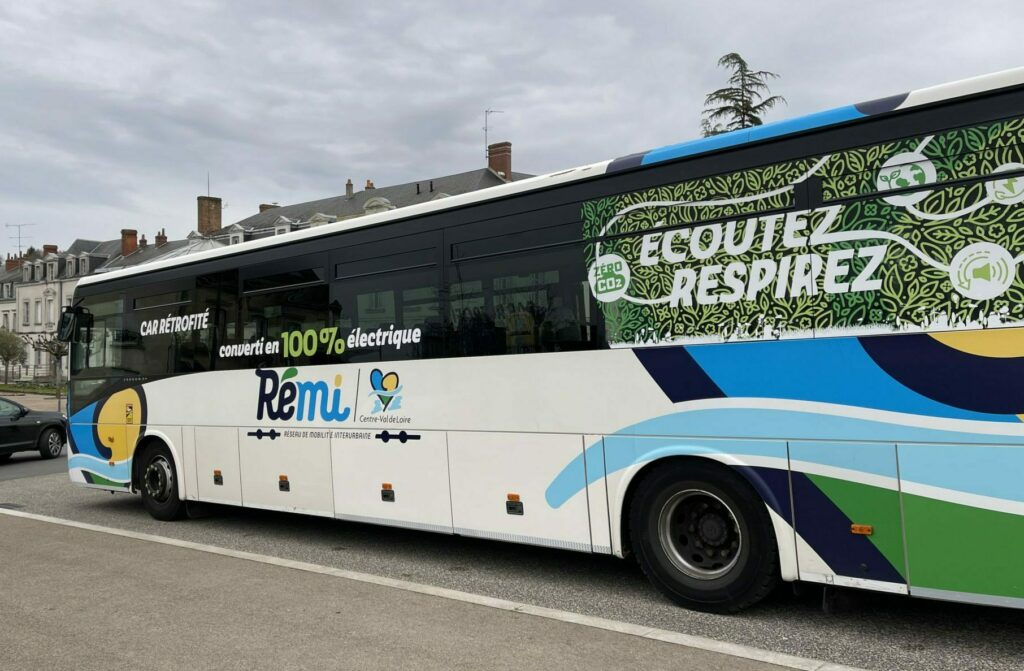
(489, 469)
(286, 470)
(964, 510)
(398, 482)
(837, 485)
(218, 475)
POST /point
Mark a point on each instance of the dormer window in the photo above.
(26, 273)
(52, 270)
(235, 239)
(377, 204)
(83, 266)
(69, 269)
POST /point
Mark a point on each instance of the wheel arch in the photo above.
(148, 439)
(782, 530)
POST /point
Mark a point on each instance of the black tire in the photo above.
(703, 537)
(51, 443)
(158, 483)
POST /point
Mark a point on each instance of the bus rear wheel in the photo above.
(703, 537)
(158, 482)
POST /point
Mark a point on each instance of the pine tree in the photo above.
(743, 102)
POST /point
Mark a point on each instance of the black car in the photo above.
(25, 430)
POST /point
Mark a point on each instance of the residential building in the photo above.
(273, 219)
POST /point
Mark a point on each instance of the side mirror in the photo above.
(68, 320)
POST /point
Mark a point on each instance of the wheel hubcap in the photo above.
(700, 534)
(158, 479)
(55, 444)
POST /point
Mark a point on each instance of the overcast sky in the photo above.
(111, 113)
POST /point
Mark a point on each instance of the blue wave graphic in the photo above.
(827, 370)
(629, 447)
(81, 431)
(119, 472)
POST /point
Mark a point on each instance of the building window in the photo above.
(83, 266)
(69, 270)
(49, 310)
(39, 311)
(7, 321)
(25, 313)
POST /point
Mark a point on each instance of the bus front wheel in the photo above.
(158, 482)
(703, 537)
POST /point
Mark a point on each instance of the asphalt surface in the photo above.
(868, 630)
(126, 603)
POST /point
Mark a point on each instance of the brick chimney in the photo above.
(161, 238)
(369, 184)
(12, 262)
(129, 241)
(142, 242)
(348, 188)
(499, 159)
(49, 249)
(209, 215)
(268, 206)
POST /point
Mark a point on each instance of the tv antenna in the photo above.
(18, 235)
(487, 114)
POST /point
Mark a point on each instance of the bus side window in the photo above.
(154, 339)
(390, 316)
(518, 303)
(279, 303)
(217, 295)
(386, 298)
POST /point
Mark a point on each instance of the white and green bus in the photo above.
(791, 352)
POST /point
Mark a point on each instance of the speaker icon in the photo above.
(982, 270)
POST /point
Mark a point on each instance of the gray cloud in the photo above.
(110, 116)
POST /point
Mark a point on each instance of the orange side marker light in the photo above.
(862, 529)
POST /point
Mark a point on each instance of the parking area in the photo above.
(866, 630)
(193, 609)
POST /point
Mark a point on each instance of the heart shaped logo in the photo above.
(386, 388)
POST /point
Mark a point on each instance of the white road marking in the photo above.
(663, 635)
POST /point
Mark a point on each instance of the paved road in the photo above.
(870, 630)
(75, 599)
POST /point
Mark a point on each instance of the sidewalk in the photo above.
(79, 599)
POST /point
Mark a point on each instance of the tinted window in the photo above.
(166, 333)
(391, 315)
(271, 314)
(100, 342)
(536, 301)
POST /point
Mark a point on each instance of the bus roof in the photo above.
(733, 139)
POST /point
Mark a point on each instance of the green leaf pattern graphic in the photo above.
(966, 203)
